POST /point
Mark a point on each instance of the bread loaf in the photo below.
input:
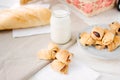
(24, 17)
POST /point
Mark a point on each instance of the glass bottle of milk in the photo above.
(60, 24)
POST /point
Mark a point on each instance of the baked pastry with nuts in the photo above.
(59, 66)
(115, 26)
(86, 39)
(102, 38)
(97, 33)
(108, 37)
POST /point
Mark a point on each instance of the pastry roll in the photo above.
(114, 44)
(22, 2)
(46, 54)
(97, 33)
(86, 39)
(59, 66)
(63, 56)
(115, 26)
(99, 45)
(108, 37)
(53, 48)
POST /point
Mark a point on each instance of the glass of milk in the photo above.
(60, 24)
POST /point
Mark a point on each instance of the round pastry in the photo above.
(63, 56)
(59, 66)
(86, 39)
(46, 54)
(108, 37)
(115, 26)
(97, 33)
(114, 44)
(53, 48)
(99, 45)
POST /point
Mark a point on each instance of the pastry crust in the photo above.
(63, 56)
(108, 37)
(97, 33)
(24, 17)
(46, 54)
(86, 39)
(22, 2)
(114, 44)
(59, 66)
(53, 48)
(99, 45)
(115, 26)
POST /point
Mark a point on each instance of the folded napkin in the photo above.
(77, 71)
(32, 31)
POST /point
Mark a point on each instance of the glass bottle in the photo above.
(60, 24)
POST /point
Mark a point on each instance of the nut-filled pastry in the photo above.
(22, 2)
(86, 39)
(114, 44)
(99, 45)
(108, 37)
(115, 26)
(46, 54)
(97, 33)
(63, 56)
(53, 48)
(59, 66)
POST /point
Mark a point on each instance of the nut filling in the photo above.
(119, 30)
(96, 34)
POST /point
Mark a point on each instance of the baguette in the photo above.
(24, 17)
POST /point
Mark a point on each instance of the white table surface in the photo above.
(21, 48)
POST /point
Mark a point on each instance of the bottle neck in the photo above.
(60, 13)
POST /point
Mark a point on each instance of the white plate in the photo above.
(104, 53)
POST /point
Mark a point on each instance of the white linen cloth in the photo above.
(76, 71)
(101, 65)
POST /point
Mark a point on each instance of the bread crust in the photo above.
(24, 17)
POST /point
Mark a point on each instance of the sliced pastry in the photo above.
(46, 54)
(22, 2)
(114, 44)
(59, 66)
(108, 37)
(63, 56)
(99, 45)
(115, 26)
(53, 48)
(97, 33)
(86, 39)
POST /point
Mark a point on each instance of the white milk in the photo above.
(60, 26)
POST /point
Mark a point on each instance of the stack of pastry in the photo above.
(62, 61)
(102, 38)
(61, 58)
